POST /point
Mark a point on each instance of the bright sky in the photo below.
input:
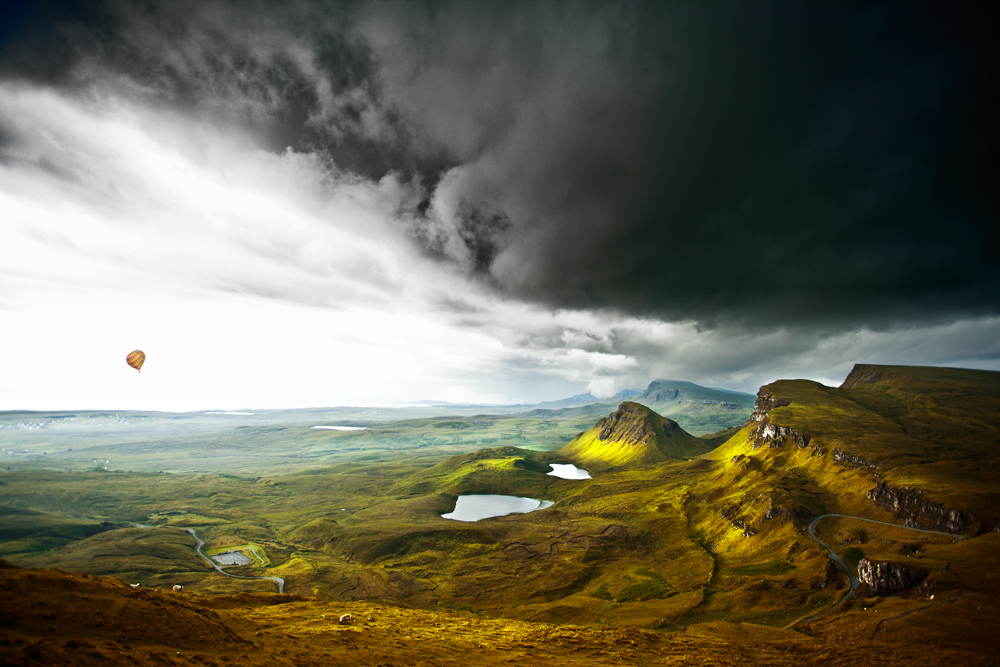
(247, 278)
(497, 270)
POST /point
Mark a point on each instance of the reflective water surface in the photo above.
(568, 471)
(476, 507)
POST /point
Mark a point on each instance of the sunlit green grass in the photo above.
(659, 538)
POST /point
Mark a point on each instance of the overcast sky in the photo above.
(292, 204)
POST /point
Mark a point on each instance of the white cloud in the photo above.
(253, 279)
(250, 279)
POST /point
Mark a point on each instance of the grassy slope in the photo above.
(934, 429)
(936, 432)
(633, 435)
(59, 618)
(659, 545)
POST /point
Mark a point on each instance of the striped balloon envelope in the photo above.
(135, 359)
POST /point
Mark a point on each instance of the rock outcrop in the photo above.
(767, 434)
(917, 511)
(887, 578)
(741, 523)
(764, 403)
(853, 460)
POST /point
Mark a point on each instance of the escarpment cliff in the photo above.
(766, 434)
(916, 510)
(764, 403)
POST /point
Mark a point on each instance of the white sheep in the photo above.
(135, 585)
(346, 618)
(177, 588)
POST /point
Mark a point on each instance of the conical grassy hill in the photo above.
(632, 435)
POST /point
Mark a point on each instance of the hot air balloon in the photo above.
(135, 359)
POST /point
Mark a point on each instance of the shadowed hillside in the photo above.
(58, 618)
(922, 443)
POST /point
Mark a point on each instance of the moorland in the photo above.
(682, 541)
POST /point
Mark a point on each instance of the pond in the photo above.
(231, 558)
(568, 471)
(476, 507)
(344, 428)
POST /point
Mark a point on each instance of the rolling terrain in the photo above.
(250, 443)
(43, 624)
(675, 539)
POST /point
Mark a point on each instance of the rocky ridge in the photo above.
(917, 511)
(772, 435)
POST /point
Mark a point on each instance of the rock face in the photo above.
(853, 460)
(767, 434)
(916, 511)
(887, 578)
(764, 403)
(741, 523)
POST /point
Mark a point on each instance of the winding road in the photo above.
(201, 543)
(843, 566)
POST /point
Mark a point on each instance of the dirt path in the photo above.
(843, 566)
(201, 543)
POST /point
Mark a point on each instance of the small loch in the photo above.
(343, 428)
(476, 507)
(568, 471)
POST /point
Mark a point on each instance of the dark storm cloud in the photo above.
(760, 163)
(294, 76)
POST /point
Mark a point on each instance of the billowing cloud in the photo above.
(566, 195)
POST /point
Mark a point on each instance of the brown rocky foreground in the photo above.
(52, 617)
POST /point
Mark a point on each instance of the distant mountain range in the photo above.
(658, 391)
(698, 410)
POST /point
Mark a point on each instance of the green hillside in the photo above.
(632, 435)
(932, 431)
(653, 540)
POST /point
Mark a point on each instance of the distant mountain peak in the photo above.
(626, 394)
(632, 435)
(665, 391)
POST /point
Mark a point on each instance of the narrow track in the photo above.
(201, 543)
(843, 566)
